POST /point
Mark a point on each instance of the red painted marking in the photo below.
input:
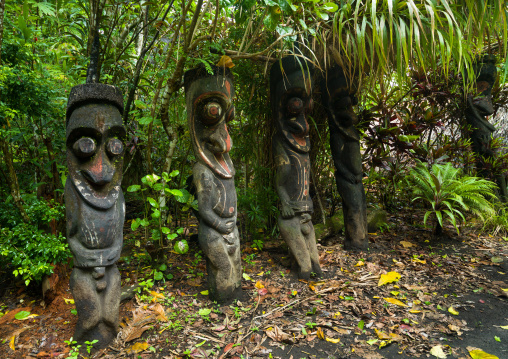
(228, 139)
(300, 140)
(221, 161)
(228, 87)
(214, 110)
(231, 209)
(305, 192)
(96, 168)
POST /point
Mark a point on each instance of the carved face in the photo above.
(210, 108)
(487, 73)
(340, 102)
(293, 104)
(95, 151)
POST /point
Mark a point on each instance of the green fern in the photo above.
(450, 194)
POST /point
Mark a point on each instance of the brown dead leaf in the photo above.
(159, 310)
(406, 244)
(276, 334)
(225, 61)
(137, 348)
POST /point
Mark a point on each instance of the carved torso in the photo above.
(221, 191)
(95, 236)
(296, 168)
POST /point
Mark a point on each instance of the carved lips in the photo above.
(94, 153)
(211, 110)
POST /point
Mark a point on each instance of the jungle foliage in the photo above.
(412, 59)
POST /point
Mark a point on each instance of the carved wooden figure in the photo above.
(338, 97)
(290, 95)
(209, 109)
(478, 108)
(95, 207)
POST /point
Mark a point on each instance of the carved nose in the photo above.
(299, 124)
(100, 172)
(220, 141)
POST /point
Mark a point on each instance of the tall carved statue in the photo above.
(95, 207)
(477, 110)
(338, 97)
(209, 109)
(291, 102)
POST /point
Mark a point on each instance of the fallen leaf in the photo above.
(360, 263)
(406, 244)
(388, 278)
(278, 335)
(161, 313)
(156, 295)
(480, 354)
(259, 285)
(502, 326)
(205, 292)
(12, 343)
(225, 61)
(262, 291)
(68, 301)
(395, 301)
(246, 276)
(332, 340)
(417, 260)
(137, 348)
(381, 335)
(438, 352)
(320, 334)
(453, 311)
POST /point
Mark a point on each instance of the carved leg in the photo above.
(223, 264)
(354, 207)
(311, 245)
(292, 234)
(96, 293)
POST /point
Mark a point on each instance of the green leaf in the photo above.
(152, 202)
(145, 120)
(165, 230)
(163, 267)
(361, 324)
(181, 247)
(140, 104)
(134, 188)
(330, 6)
(158, 275)
(156, 213)
(22, 315)
(135, 224)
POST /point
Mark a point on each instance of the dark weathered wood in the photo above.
(291, 103)
(209, 108)
(479, 106)
(95, 207)
(338, 98)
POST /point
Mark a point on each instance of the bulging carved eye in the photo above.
(295, 105)
(115, 146)
(212, 112)
(84, 147)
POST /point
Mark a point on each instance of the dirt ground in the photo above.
(446, 298)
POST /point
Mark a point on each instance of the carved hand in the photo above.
(287, 211)
(226, 227)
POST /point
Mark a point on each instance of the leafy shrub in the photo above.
(450, 194)
(26, 248)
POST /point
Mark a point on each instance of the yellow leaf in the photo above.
(394, 292)
(156, 295)
(259, 285)
(360, 263)
(336, 315)
(453, 311)
(438, 352)
(334, 341)
(312, 288)
(246, 276)
(480, 354)
(503, 326)
(505, 289)
(205, 292)
(137, 348)
(294, 292)
(388, 278)
(415, 311)
(225, 61)
(12, 343)
(417, 260)
(382, 335)
(395, 301)
(68, 301)
(260, 274)
(383, 344)
(406, 244)
(320, 333)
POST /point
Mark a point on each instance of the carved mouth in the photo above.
(222, 162)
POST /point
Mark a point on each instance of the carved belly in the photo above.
(99, 229)
(224, 198)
